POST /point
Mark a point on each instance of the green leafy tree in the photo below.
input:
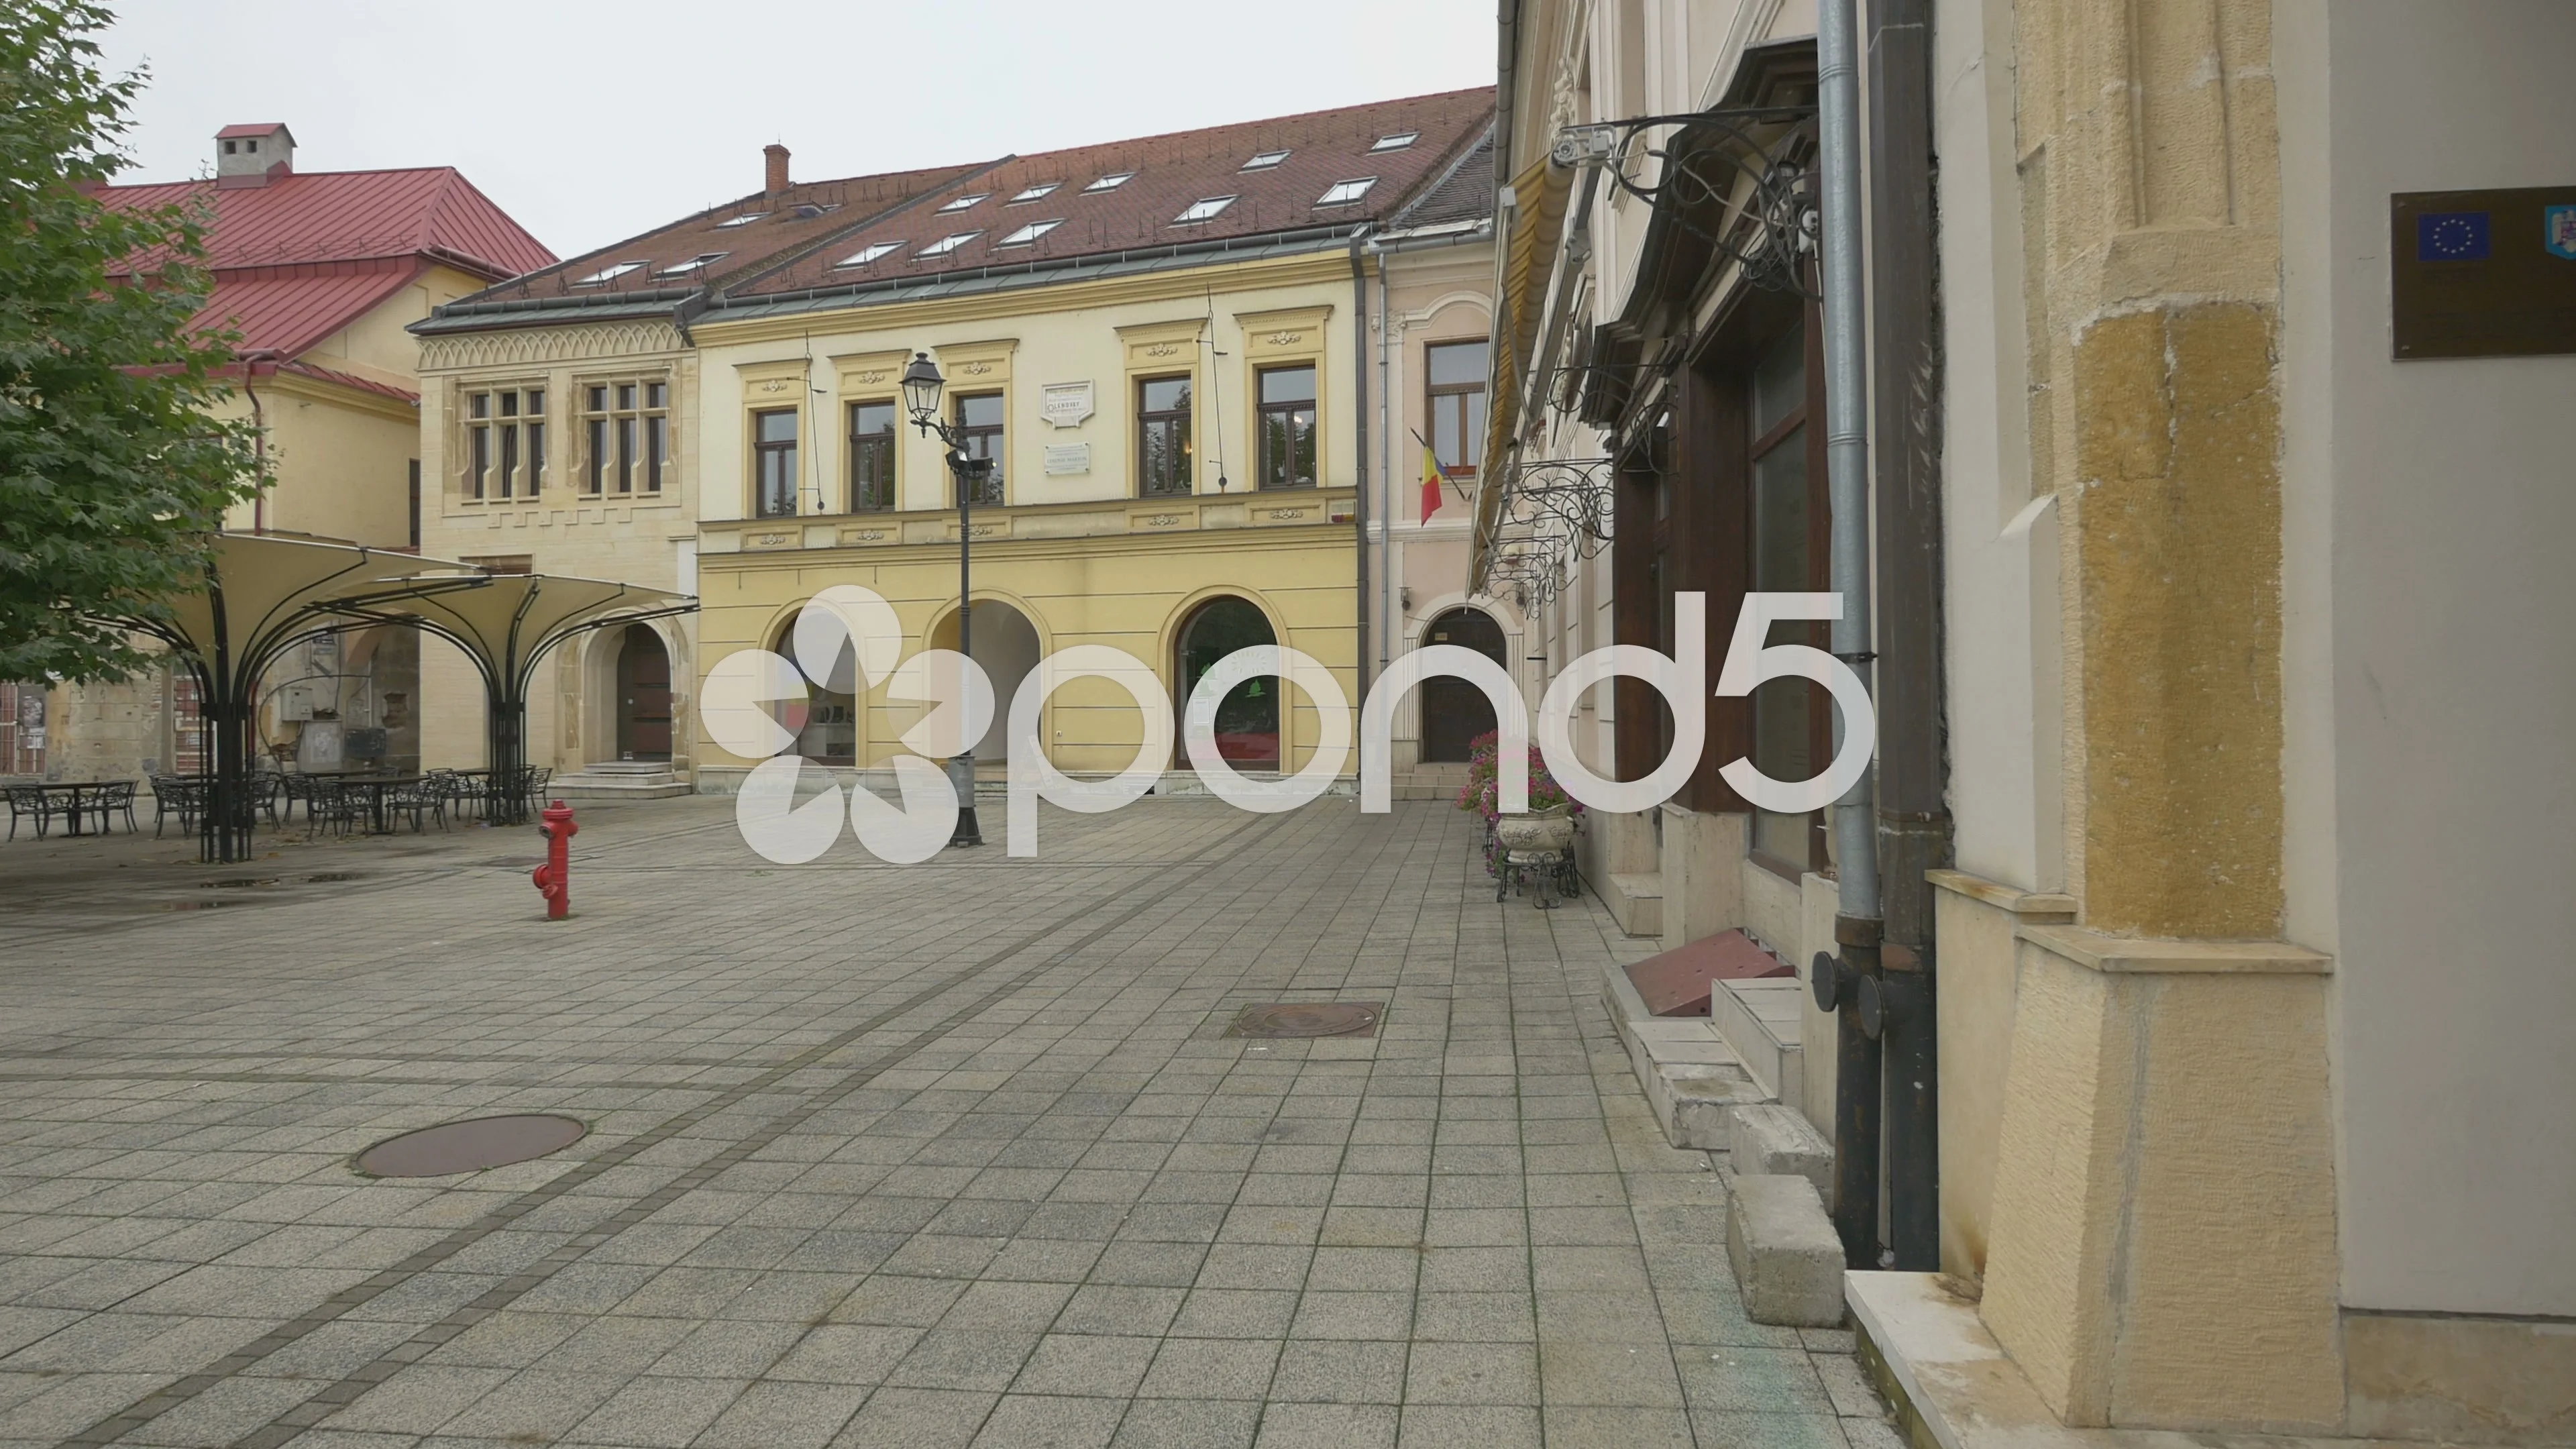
(114, 470)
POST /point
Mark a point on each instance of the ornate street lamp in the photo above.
(921, 385)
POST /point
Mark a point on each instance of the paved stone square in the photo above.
(920, 1156)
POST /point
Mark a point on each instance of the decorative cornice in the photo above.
(522, 346)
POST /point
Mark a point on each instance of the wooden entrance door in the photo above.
(1455, 712)
(644, 696)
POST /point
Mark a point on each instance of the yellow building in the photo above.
(318, 274)
(1164, 346)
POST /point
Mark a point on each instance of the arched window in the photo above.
(1247, 719)
(826, 722)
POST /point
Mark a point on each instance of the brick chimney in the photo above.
(253, 155)
(776, 177)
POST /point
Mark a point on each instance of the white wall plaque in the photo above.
(1065, 404)
(1070, 458)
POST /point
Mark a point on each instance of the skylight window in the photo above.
(1032, 193)
(868, 253)
(963, 202)
(1205, 209)
(1343, 193)
(1396, 142)
(1029, 233)
(746, 219)
(1110, 182)
(608, 274)
(948, 243)
(813, 209)
(1265, 160)
(692, 264)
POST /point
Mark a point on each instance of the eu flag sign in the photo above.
(2452, 236)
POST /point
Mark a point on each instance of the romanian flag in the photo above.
(1432, 478)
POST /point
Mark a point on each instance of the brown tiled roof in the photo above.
(1171, 172)
(1466, 193)
(780, 225)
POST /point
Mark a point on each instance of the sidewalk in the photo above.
(938, 1155)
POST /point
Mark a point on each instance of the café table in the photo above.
(75, 789)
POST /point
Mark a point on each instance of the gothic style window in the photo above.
(505, 443)
(626, 427)
(1288, 427)
(1162, 436)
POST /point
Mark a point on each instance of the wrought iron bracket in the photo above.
(1554, 512)
(1748, 165)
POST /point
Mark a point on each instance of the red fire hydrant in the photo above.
(554, 878)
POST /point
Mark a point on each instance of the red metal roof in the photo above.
(306, 255)
(350, 379)
(341, 216)
(261, 128)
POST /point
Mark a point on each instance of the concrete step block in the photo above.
(1774, 1140)
(1787, 1260)
(1697, 1101)
(1636, 902)
(1760, 1020)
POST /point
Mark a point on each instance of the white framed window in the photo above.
(746, 219)
(1396, 142)
(1110, 182)
(608, 274)
(1029, 233)
(626, 436)
(1343, 193)
(963, 202)
(1028, 194)
(1264, 160)
(948, 243)
(1206, 208)
(868, 253)
(505, 443)
(682, 269)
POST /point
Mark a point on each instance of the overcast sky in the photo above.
(592, 122)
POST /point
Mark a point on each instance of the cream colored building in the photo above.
(2251, 1067)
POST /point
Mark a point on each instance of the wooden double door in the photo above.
(643, 696)
(1454, 712)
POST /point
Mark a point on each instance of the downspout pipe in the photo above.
(1857, 924)
(1359, 384)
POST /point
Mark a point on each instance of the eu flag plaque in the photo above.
(2483, 273)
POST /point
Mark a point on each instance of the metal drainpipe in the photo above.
(259, 449)
(1387, 596)
(1913, 810)
(1359, 380)
(1857, 926)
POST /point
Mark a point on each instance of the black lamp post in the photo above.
(921, 385)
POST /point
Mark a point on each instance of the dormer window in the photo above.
(1110, 182)
(1343, 193)
(1265, 160)
(1396, 142)
(948, 243)
(963, 202)
(681, 269)
(813, 209)
(868, 253)
(1204, 209)
(746, 219)
(1032, 193)
(1029, 233)
(608, 274)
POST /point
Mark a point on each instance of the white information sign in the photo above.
(1065, 404)
(1070, 458)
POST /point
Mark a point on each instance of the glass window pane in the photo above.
(536, 457)
(1448, 418)
(599, 399)
(1166, 394)
(509, 457)
(509, 404)
(1779, 382)
(598, 451)
(778, 427)
(656, 441)
(873, 417)
(536, 401)
(1457, 363)
(1780, 519)
(1288, 384)
(479, 405)
(980, 412)
(657, 395)
(625, 396)
(625, 455)
(482, 458)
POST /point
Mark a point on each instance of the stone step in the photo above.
(1690, 1078)
(1760, 1019)
(592, 782)
(1636, 901)
(1773, 1140)
(1787, 1258)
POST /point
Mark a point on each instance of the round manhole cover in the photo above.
(470, 1146)
(1305, 1018)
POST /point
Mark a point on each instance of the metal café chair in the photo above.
(420, 799)
(30, 800)
(114, 797)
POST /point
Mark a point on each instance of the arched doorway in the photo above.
(1455, 712)
(1247, 719)
(826, 721)
(1006, 646)
(643, 696)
